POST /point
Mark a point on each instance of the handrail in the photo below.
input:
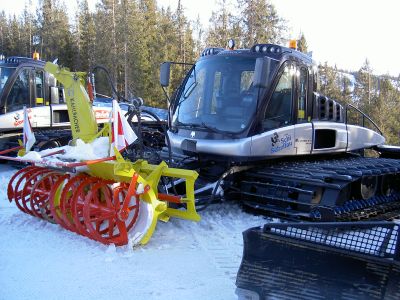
(364, 115)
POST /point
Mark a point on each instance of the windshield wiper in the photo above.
(190, 90)
(191, 87)
(188, 125)
(203, 126)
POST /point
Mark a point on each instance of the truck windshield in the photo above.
(218, 95)
(5, 73)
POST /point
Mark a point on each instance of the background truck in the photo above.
(24, 82)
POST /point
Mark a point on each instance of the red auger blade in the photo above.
(100, 209)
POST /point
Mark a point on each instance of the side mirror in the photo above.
(261, 72)
(165, 71)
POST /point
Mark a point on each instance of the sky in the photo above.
(341, 32)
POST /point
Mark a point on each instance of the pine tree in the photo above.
(199, 35)
(260, 22)
(184, 34)
(14, 40)
(28, 28)
(150, 50)
(3, 33)
(86, 35)
(385, 110)
(302, 44)
(363, 92)
(329, 79)
(222, 24)
(54, 31)
(346, 88)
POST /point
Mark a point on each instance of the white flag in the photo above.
(28, 135)
(122, 134)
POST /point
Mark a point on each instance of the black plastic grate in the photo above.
(378, 239)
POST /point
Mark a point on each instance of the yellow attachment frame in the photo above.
(81, 116)
(156, 204)
(150, 175)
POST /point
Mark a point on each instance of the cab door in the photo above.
(40, 107)
(19, 95)
(303, 128)
(277, 138)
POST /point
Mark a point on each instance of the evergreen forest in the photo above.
(133, 37)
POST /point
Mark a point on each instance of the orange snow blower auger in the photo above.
(108, 199)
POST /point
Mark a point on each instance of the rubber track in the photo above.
(270, 188)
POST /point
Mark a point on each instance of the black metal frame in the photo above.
(378, 239)
(364, 116)
(322, 261)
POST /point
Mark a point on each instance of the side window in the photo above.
(215, 91)
(302, 96)
(246, 79)
(39, 87)
(279, 110)
(193, 95)
(19, 93)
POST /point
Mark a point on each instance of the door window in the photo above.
(302, 96)
(19, 94)
(39, 88)
(279, 110)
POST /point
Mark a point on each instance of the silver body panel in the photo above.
(238, 147)
(285, 141)
(40, 117)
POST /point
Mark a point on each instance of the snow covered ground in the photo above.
(184, 260)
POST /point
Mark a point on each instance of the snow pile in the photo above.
(99, 148)
(33, 156)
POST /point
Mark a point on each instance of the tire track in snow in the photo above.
(219, 233)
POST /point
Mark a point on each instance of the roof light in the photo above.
(293, 44)
(266, 48)
(35, 55)
(11, 60)
(211, 51)
(231, 44)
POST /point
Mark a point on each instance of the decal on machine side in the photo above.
(279, 143)
(18, 118)
(102, 114)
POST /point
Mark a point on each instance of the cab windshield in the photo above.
(5, 73)
(218, 95)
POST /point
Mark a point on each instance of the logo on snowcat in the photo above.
(102, 114)
(275, 139)
(17, 119)
(280, 143)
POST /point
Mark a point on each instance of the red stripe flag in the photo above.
(28, 135)
(122, 134)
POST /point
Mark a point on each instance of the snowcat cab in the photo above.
(252, 104)
(23, 82)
